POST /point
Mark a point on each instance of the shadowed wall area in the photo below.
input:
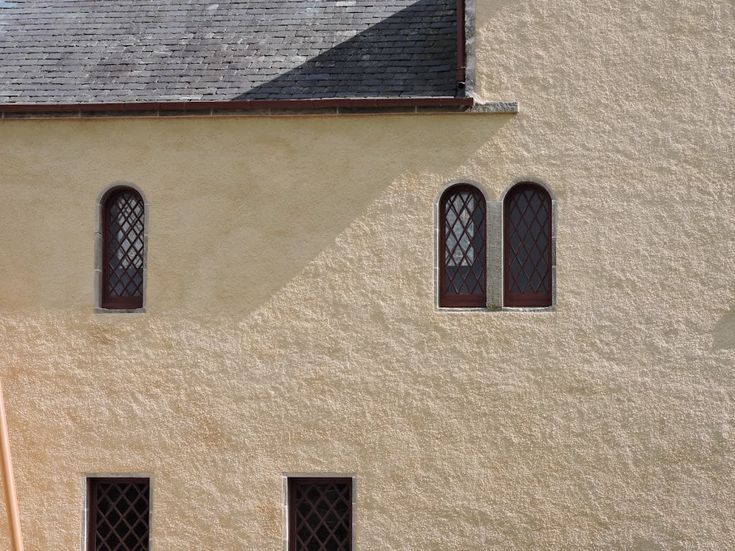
(235, 210)
(724, 333)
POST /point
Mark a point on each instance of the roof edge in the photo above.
(336, 105)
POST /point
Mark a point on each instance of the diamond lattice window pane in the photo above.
(123, 249)
(463, 270)
(320, 514)
(528, 246)
(119, 514)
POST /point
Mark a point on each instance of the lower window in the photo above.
(320, 514)
(119, 514)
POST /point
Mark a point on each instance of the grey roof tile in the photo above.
(82, 51)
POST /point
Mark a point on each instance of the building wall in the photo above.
(291, 327)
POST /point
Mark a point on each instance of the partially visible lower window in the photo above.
(119, 514)
(320, 514)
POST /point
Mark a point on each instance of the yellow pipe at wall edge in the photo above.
(11, 500)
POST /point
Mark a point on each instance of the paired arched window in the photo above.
(462, 258)
(527, 246)
(123, 244)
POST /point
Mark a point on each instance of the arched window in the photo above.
(527, 248)
(122, 249)
(462, 243)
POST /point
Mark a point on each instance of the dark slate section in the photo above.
(89, 51)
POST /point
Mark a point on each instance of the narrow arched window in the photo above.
(527, 248)
(462, 240)
(122, 249)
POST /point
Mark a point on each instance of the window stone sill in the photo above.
(99, 310)
(497, 309)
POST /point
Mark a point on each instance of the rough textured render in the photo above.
(291, 327)
(153, 50)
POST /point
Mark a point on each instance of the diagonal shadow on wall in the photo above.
(410, 53)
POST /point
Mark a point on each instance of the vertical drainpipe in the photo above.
(11, 500)
(461, 55)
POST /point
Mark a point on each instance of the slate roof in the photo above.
(91, 51)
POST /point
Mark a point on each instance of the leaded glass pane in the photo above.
(323, 515)
(120, 514)
(463, 247)
(124, 244)
(528, 246)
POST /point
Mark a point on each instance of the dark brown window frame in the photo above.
(108, 302)
(293, 482)
(527, 300)
(454, 300)
(92, 505)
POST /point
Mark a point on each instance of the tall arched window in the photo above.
(122, 249)
(527, 248)
(462, 244)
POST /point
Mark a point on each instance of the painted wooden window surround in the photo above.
(123, 253)
(462, 247)
(118, 514)
(527, 250)
(320, 514)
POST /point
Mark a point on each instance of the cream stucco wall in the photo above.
(290, 323)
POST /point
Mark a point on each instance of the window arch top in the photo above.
(462, 247)
(527, 247)
(123, 234)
